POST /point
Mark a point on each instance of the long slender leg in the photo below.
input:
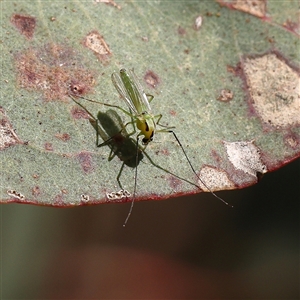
(135, 181)
(201, 180)
(119, 175)
(102, 103)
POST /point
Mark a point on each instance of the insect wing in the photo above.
(118, 83)
(131, 91)
(143, 100)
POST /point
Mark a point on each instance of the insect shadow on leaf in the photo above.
(111, 129)
(138, 103)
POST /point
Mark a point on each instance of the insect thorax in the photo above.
(145, 123)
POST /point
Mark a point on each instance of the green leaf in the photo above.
(226, 76)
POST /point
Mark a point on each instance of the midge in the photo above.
(131, 91)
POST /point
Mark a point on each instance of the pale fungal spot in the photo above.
(198, 23)
(292, 141)
(95, 41)
(15, 194)
(225, 95)
(8, 136)
(85, 198)
(245, 156)
(215, 179)
(118, 195)
(253, 7)
(275, 90)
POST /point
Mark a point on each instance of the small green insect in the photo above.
(138, 102)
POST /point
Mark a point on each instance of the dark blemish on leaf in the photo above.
(63, 136)
(84, 198)
(48, 146)
(151, 79)
(181, 31)
(79, 88)
(85, 160)
(52, 69)
(79, 113)
(186, 51)
(15, 194)
(8, 137)
(24, 24)
(36, 191)
(95, 42)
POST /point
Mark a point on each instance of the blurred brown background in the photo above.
(188, 248)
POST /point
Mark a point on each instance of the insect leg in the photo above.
(149, 97)
(161, 125)
(102, 103)
(201, 180)
(135, 181)
(119, 175)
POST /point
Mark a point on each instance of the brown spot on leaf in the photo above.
(24, 24)
(36, 191)
(48, 147)
(63, 136)
(59, 200)
(181, 31)
(8, 136)
(291, 26)
(164, 151)
(85, 160)
(79, 88)
(109, 2)
(151, 79)
(174, 182)
(79, 113)
(52, 69)
(95, 41)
